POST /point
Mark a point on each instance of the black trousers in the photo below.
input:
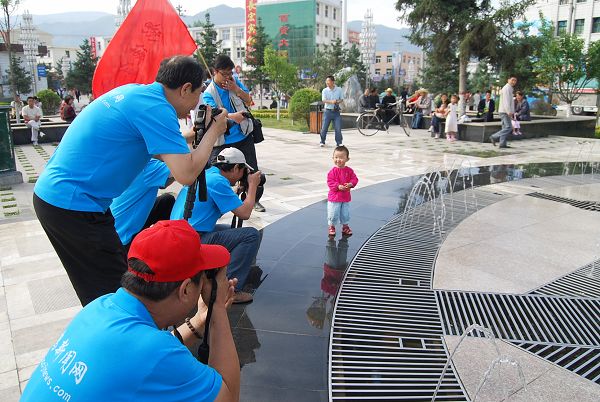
(88, 247)
(161, 211)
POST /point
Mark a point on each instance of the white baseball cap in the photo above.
(231, 156)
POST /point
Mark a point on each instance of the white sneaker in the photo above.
(321, 144)
(42, 135)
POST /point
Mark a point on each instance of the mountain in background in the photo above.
(388, 39)
(70, 29)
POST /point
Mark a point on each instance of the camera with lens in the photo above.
(203, 122)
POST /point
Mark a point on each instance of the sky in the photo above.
(383, 13)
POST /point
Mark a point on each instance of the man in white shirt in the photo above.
(17, 106)
(506, 112)
(332, 97)
(32, 116)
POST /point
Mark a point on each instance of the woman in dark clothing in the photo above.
(388, 99)
(68, 110)
(521, 112)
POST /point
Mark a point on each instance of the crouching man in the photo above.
(242, 243)
(115, 349)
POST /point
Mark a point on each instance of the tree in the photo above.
(81, 75)
(332, 58)
(255, 58)
(467, 28)
(208, 45)
(9, 8)
(482, 80)
(565, 65)
(282, 74)
(20, 79)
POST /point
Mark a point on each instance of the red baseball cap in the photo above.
(172, 250)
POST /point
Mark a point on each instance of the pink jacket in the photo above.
(337, 176)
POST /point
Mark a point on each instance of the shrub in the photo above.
(543, 108)
(50, 101)
(300, 103)
(598, 132)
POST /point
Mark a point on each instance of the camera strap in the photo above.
(204, 348)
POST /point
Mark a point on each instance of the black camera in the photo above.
(203, 122)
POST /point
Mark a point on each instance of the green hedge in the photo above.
(300, 103)
(50, 101)
(270, 113)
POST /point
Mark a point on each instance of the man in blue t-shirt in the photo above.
(227, 91)
(138, 207)
(102, 152)
(115, 349)
(242, 243)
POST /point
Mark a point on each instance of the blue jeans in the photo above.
(328, 116)
(338, 212)
(242, 243)
(506, 130)
(416, 121)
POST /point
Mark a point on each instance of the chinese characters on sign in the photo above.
(250, 25)
(93, 46)
(283, 33)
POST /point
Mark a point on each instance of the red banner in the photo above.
(250, 25)
(151, 32)
(93, 46)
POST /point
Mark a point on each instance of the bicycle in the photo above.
(371, 121)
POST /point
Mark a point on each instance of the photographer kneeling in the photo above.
(243, 243)
(227, 91)
(115, 348)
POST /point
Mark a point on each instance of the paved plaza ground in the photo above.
(36, 298)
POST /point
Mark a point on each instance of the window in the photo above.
(239, 33)
(579, 27)
(388, 71)
(318, 29)
(225, 34)
(334, 32)
(377, 59)
(596, 25)
(581, 1)
(562, 2)
(389, 59)
(68, 53)
(377, 71)
(318, 8)
(334, 13)
(562, 27)
(326, 11)
(326, 31)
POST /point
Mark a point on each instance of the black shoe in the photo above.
(493, 141)
(258, 207)
(504, 146)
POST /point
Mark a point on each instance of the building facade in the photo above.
(402, 67)
(298, 27)
(233, 40)
(578, 17)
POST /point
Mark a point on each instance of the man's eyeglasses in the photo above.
(226, 74)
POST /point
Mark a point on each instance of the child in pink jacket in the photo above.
(340, 180)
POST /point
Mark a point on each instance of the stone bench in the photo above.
(480, 131)
(54, 133)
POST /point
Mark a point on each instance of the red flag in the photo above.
(151, 32)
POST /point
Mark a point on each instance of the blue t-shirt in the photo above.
(113, 351)
(331, 94)
(235, 132)
(220, 200)
(132, 208)
(108, 145)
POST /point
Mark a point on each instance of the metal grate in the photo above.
(584, 282)
(584, 361)
(546, 319)
(386, 340)
(587, 205)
